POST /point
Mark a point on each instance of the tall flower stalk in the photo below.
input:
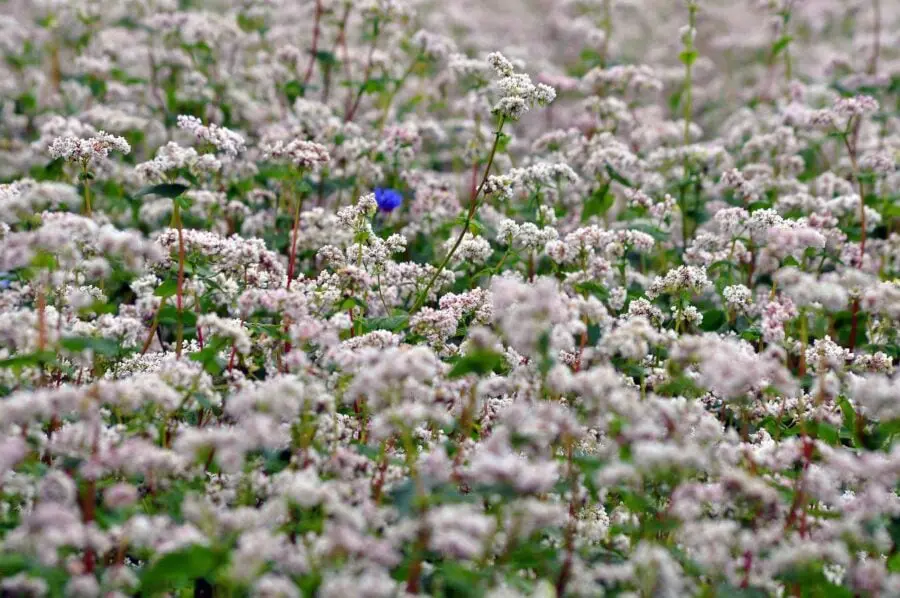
(470, 214)
(295, 232)
(179, 288)
(518, 95)
(688, 58)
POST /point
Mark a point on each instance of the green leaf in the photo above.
(752, 334)
(43, 259)
(167, 289)
(99, 345)
(326, 58)
(781, 44)
(675, 99)
(616, 176)
(169, 315)
(248, 23)
(828, 433)
(170, 190)
(392, 323)
(375, 85)
(10, 564)
(814, 582)
(726, 590)
(503, 142)
(688, 57)
(591, 287)
(459, 580)
(182, 202)
(712, 320)
(351, 302)
(850, 421)
(54, 168)
(292, 89)
(893, 563)
(29, 360)
(479, 361)
(208, 356)
(598, 203)
(179, 568)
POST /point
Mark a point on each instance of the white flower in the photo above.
(85, 151)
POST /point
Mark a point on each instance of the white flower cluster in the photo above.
(223, 139)
(305, 155)
(691, 279)
(517, 93)
(642, 345)
(86, 151)
(171, 158)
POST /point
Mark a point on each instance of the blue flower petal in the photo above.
(388, 199)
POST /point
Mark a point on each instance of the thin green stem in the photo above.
(390, 98)
(87, 190)
(788, 61)
(473, 206)
(354, 105)
(607, 32)
(381, 292)
(689, 71)
(179, 289)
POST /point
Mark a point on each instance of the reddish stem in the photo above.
(231, 358)
(748, 564)
(415, 570)
(354, 106)
(315, 45)
(293, 252)
(88, 506)
(581, 344)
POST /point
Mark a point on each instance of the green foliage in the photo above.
(170, 190)
(599, 202)
(181, 568)
(479, 361)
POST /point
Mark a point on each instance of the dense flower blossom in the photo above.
(391, 298)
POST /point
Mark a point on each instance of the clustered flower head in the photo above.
(308, 303)
(306, 155)
(517, 93)
(223, 139)
(86, 151)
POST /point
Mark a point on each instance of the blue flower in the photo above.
(388, 200)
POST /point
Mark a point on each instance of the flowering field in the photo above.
(392, 298)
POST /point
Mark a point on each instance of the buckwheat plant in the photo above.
(395, 298)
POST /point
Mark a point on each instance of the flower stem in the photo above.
(352, 107)
(87, 191)
(689, 71)
(179, 289)
(314, 49)
(876, 33)
(390, 99)
(606, 23)
(294, 235)
(153, 327)
(473, 206)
